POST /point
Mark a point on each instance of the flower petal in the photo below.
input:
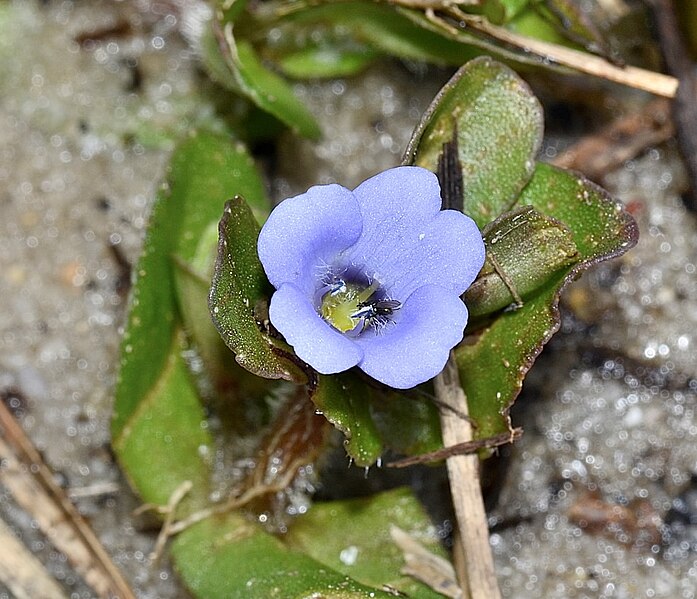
(449, 252)
(415, 346)
(407, 241)
(314, 341)
(305, 232)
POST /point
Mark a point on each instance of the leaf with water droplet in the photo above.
(494, 360)
(548, 226)
(497, 123)
(239, 297)
(156, 401)
(374, 418)
(228, 556)
(354, 537)
(524, 250)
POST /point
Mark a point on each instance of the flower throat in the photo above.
(342, 305)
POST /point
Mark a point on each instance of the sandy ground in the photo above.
(86, 126)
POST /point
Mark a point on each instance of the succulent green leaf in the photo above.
(229, 557)
(353, 537)
(204, 171)
(235, 65)
(532, 24)
(408, 422)
(493, 10)
(272, 93)
(192, 282)
(222, 374)
(573, 24)
(524, 250)
(315, 62)
(386, 29)
(497, 122)
(344, 400)
(601, 227)
(494, 361)
(374, 419)
(239, 295)
(166, 441)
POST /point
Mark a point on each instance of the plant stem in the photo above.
(478, 580)
(583, 62)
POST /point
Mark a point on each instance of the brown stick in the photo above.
(583, 62)
(31, 483)
(479, 577)
(465, 448)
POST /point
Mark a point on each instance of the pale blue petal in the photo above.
(314, 341)
(407, 241)
(305, 233)
(414, 347)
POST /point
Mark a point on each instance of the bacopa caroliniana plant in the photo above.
(356, 285)
(372, 277)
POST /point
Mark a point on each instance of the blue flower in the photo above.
(372, 277)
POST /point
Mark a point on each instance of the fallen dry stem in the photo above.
(169, 511)
(464, 448)
(452, 20)
(31, 482)
(171, 528)
(478, 578)
(22, 573)
(583, 62)
(422, 564)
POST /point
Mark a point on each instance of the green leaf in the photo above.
(345, 401)
(230, 558)
(192, 282)
(524, 249)
(204, 171)
(574, 24)
(325, 61)
(408, 422)
(374, 419)
(239, 297)
(513, 7)
(353, 537)
(167, 441)
(493, 10)
(498, 126)
(236, 65)
(494, 361)
(383, 27)
(601, 228)
(533, 25)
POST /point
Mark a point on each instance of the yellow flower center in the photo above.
(339, 307)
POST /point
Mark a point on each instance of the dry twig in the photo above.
(28, 478)
(431, 569)
(479, 577)
(465, 448)
(583, 62)
(22, 573)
